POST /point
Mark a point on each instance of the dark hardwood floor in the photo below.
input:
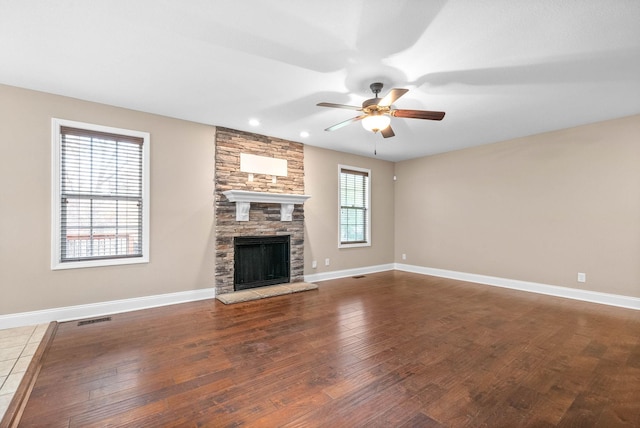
(391, 349)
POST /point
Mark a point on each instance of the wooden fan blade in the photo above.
(418, 114)
(345, 123)
(387, 132)
(339, 106)
(392, 96)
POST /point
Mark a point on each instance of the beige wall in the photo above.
(537, 209)
(321, 212)
(182, 251)
(540, 209)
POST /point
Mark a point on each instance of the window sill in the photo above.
(99, 263)
(358, 245)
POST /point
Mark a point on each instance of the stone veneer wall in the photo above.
(264, 219)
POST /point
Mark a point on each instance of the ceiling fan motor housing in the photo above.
(371, 102)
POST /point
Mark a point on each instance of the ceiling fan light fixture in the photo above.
(376, 122)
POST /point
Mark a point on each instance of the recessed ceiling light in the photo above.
(304, 134)
(254, 122)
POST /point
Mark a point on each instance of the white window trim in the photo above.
(369, 238)
(56, 249)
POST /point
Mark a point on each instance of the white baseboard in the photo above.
(103, 308)
(532, 287)
(127, 305)
(325, 276)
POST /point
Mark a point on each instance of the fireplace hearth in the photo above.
(261, 261)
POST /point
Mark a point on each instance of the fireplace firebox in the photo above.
(261, 261)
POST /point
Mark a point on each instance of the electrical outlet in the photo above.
(404, 256)
(326, 262)
(582, 277)
(314, 264)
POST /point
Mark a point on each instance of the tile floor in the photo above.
(17, 346)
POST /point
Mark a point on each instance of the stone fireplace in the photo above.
(266, 216)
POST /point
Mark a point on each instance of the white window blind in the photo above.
(100, 211)
(101, 195)
(354, 206)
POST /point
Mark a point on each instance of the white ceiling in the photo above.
(499, 68)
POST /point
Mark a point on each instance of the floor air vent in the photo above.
(93, 321)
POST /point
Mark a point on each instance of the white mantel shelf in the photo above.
(243, 199)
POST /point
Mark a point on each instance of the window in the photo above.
(355, 217)
(100, 202)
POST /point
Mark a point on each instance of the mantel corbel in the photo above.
(243, 199)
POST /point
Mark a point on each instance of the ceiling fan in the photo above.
(377, 112)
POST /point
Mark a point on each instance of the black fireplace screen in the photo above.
(260, 261)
